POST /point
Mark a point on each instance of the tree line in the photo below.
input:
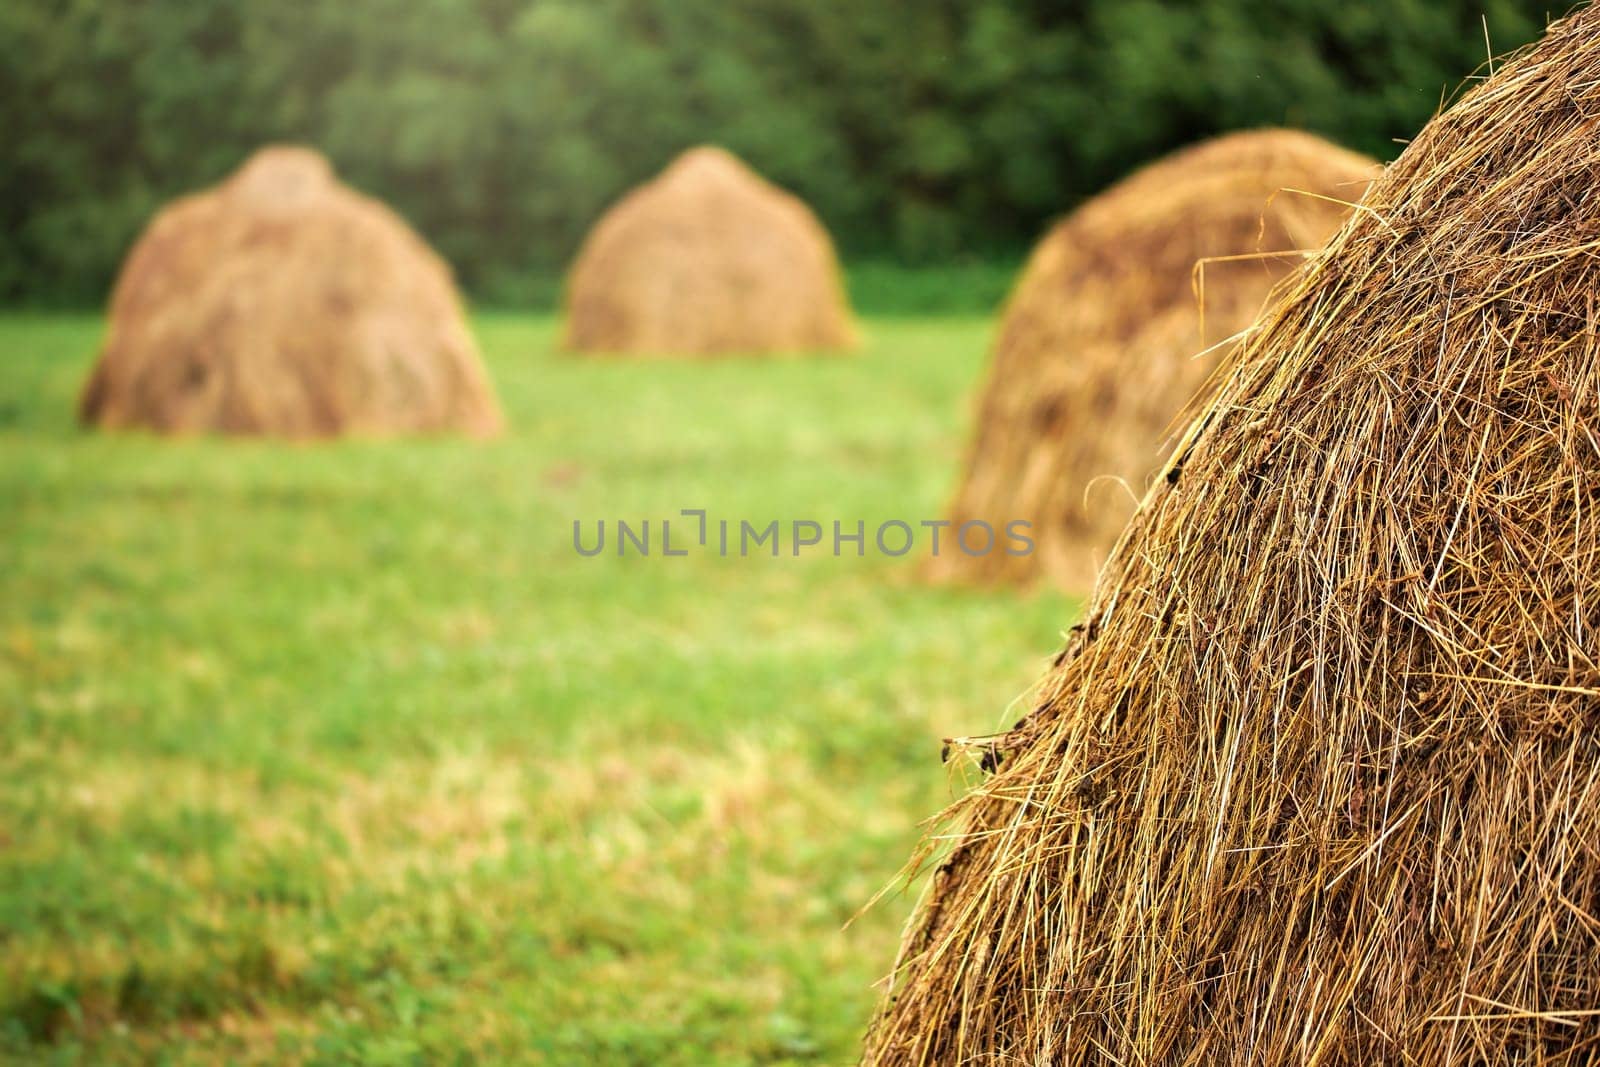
(924, 132)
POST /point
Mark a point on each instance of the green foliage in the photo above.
(339, 753)
(933, 131)
(967, 288)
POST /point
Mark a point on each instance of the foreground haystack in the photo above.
(708, 258)
(282, 302)
(1318, 781)
(1096, 354)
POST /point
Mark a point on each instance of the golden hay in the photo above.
(1097, 351)
(708, 258)
(281, 302)
(1318, 780)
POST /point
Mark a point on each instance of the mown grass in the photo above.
(339, 752)
(883, 287)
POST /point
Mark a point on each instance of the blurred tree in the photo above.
(932, 131)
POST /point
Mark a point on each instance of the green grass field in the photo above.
(339, 753)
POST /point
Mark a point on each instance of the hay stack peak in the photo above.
(283, 177)
(709, 163)
(706, 259)
(1317, 781)
(281, 302)
(1100, 346)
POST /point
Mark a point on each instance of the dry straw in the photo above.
(281, 302)
(1318, 779)
(1100, 345)
(707, 259)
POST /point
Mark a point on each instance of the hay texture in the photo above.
(281, 302)
(1317, 781)
(1099, 347)
(707, 259)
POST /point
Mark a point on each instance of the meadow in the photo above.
(339, 752)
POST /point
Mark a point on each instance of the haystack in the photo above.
(706, 259)
(1318, 779)
(281, 302)
(1101, 344)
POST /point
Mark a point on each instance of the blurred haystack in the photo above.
(1097, 351)
(707, 258)
(1318, 780)
(281, 302)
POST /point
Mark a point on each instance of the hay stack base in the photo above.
(1099, 349)
(283, 303)
(707, 259)
(1317, 782)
